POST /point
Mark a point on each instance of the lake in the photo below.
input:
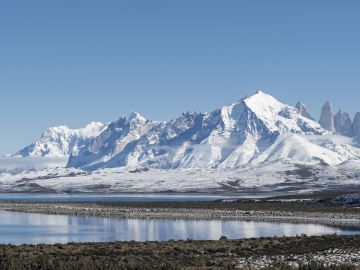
(18, 228)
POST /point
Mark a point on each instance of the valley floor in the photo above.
(265, 179)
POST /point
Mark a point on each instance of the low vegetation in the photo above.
(221, 254)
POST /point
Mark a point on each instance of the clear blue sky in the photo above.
(72, 62)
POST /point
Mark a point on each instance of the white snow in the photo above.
(269, 178)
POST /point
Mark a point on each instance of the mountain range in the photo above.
(255, 129)
(257, 145)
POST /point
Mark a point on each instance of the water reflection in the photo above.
(20, 228)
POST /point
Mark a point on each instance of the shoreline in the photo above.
(292, 212)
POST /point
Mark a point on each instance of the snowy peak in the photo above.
(279, 117)
(265, 107)
(262, 103)
(90, 130)
(61, 141)
(136, 119)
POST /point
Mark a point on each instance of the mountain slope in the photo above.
(113, 140)
(271, 178)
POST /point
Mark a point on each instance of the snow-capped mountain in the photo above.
(257, 144)
(255, 129)
(61, 141)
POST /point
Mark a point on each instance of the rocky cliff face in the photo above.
(327, 117)
(343, 124)
(356, 125)
(303, 111)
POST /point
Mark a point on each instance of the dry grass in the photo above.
(222, 254)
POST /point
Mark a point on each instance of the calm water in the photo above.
(107, 198)
(18, 228)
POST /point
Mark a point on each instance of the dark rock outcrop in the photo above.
(343, 124)
(303, 111)
(327, 117)
(356, 125)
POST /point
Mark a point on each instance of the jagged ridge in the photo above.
(255, 129)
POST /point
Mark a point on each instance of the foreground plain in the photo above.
(302, 252)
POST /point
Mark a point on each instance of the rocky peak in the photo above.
(136, 118)
(356, 124)
(327, 117)
(342, 123)
(302, 110)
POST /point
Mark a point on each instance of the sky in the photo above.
(73, 62)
